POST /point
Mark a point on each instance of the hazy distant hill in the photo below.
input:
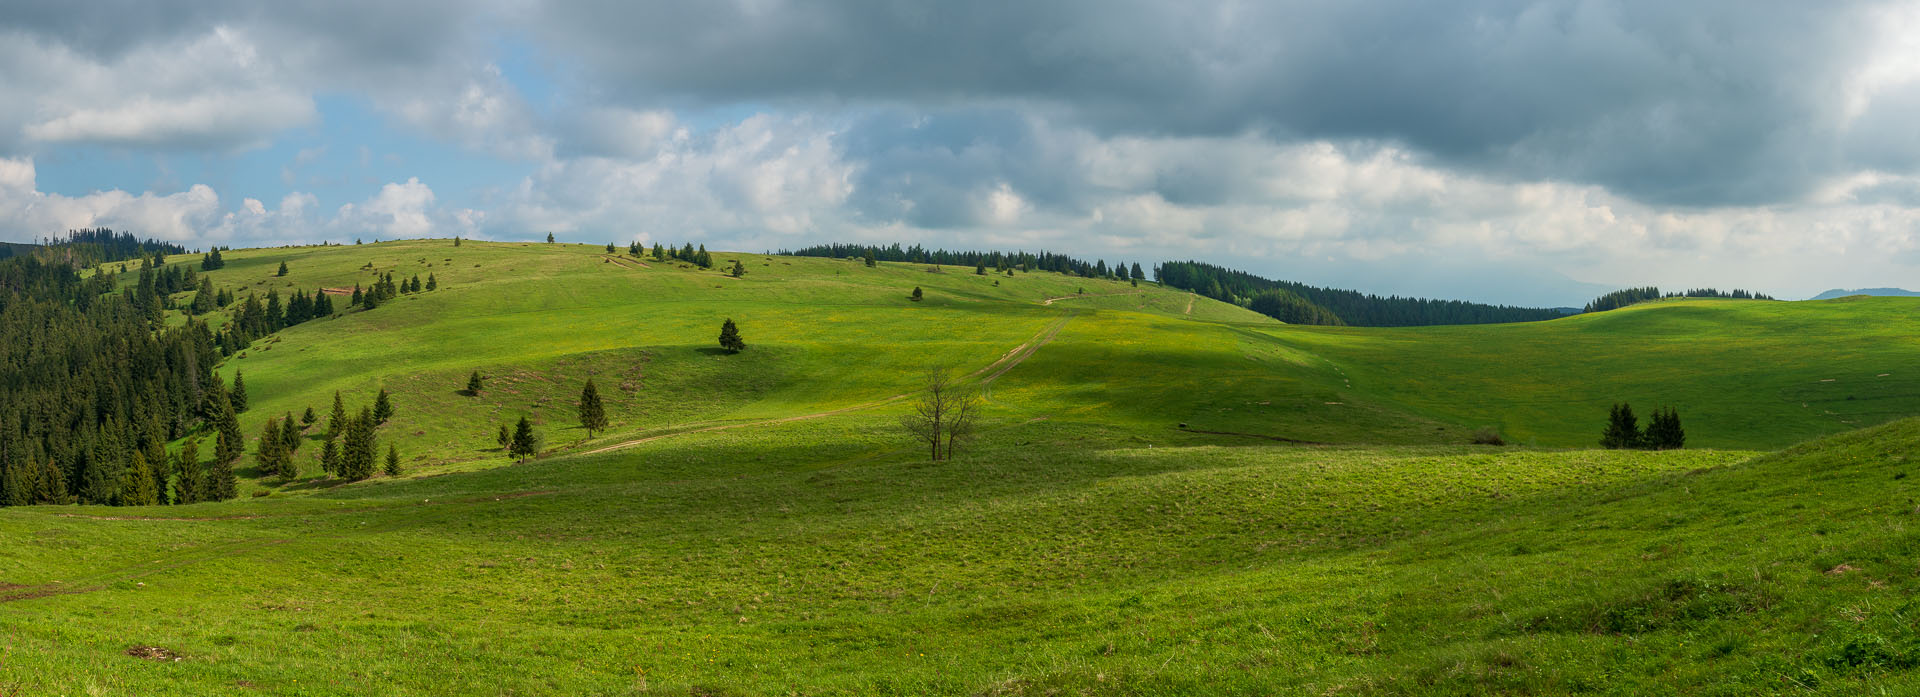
(1839, 293)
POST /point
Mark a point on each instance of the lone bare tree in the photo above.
(944, 413)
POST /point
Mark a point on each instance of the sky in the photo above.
(1524, 152)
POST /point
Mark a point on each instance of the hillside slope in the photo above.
(825, 558)
(538, 319)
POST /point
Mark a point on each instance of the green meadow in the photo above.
(1167, 495)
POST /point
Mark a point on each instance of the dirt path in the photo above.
(623, 261)
(1050, 301)
(993, 371)
(1190, 298)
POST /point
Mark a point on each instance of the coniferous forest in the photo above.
(1000, 262)
(1335, 306)
(93, 386)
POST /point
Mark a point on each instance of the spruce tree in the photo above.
(980, 269)
(730, 337)
(738, 269)
(229, 442)
(358, 296)
(283, 269)
(330, 457)
(290, 435)
(270, 450)
(357, 453)
(221, 483)
(393, 461)
(525, 443)
(238, 395)
(432, 283)
(473, 384)
(189, 484)
(593, 416)
(308, 418)
(1623, 429)
(610, 247)
(659, 252)
(917, 295)
(505, 438)
(337, 419)
(52, 485)
(549, 238)
(138, 488)
(382, 408)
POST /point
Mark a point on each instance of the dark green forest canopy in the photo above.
(998, 261)
(1346, 306)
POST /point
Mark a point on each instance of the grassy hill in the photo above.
(754, 523)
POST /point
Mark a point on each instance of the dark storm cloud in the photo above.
(1689, 103)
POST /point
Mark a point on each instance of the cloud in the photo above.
(399, 210)
(1725, 102)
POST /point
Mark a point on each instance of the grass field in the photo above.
(772, 533)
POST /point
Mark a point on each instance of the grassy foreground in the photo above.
(1083, 544)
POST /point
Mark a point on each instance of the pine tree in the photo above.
(473, 384)
(270, 450)
(738, 269)
(593, 416)
(730, 337)
(382, 408)
(330, 457)
(337, 419)
(358, 452)
(221, 484)
(359, 297)
(659, 252)
(189, 484)
(505, 439)
(916, 294)
(432, 283)
(702, 258)
(290, 435)
(238, 395)
(549, 238)
(308, 418)
(456, 241)
(52, 485)
(870, 261)
(980, 269)
(283, 269)
(610, 247)
(1623, 429)
(525, 443)
(393, 461)
(228, 442)
(138, 488)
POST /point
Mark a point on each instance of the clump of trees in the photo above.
(1331, 305)
(944, 413)
(1663, 430)
(1000, 262)
(1631, 296)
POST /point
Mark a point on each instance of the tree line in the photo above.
(1299, 303)
(687, 253)
(999, 262)
(1631, 296)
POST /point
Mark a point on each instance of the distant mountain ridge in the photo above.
(1890, 292)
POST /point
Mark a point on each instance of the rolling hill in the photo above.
(1881, 292)
(1167, 495)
